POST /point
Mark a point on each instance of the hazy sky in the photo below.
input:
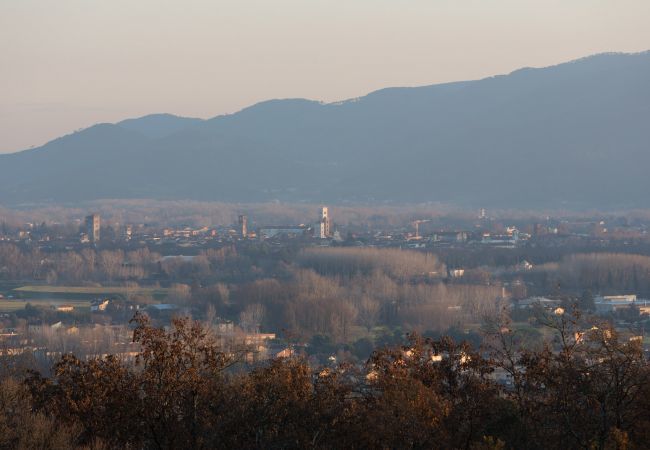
(67, 64)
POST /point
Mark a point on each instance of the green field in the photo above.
(78, 296)
(6, 286)
(7, 306)
(90, 290)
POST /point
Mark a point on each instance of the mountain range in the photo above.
(574, 135)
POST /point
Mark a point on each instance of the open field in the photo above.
(6, 287)
(90, 290)
(7, 306)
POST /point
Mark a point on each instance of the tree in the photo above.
(165, 401)
(100, 394)
(180, 376)
(110, 263)
(430, 394)
(582, 390)
(368, 312)
(252, 317)
(586, 302)
(21, 428)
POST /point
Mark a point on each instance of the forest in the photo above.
(585, 388)
(345, 294)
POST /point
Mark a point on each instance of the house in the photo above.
(456, 273)
(286, 353)
(35, 328)
(524, 266)
(64, 308)
(258, 339)
(99, 305)
(531, 302)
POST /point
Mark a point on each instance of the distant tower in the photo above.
(324, 222)
(93, 225)
(128, 232)
(482, 214)
(243, 225)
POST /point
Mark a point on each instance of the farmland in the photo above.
(77, 296)
(86, 292)
(12, 305)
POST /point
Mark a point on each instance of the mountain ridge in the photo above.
(466, 142)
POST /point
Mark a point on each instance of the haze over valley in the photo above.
(325, 224)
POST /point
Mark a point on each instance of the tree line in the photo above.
(85, 265)
(605, 273)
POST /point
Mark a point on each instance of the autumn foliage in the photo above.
(584, 389)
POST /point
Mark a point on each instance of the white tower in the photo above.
(324, 223)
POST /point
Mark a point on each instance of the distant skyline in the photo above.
(70, 64)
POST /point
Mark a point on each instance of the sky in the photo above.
(68, 64)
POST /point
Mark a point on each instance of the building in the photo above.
(456, 273)
(529, 303)
(501, 240)
(99, 305)
(243, 225)
(64, 308)
(323, 225)
(613, 303)
(128, 232)
(524, 266)
(288, 231)
(450, 237)
(93, 225)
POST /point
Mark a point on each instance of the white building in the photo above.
(612, 303)
(323, 225)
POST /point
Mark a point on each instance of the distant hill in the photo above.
(159, 125)
(571, 135)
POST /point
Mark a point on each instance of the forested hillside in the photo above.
(536, 137)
